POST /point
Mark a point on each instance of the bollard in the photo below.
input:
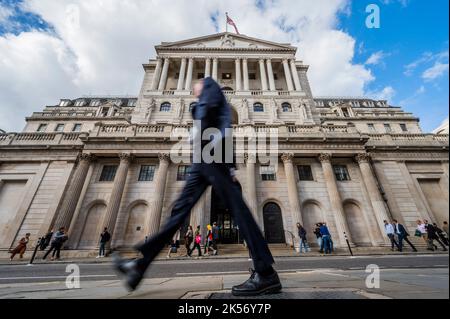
(348, 244)
(35, 250)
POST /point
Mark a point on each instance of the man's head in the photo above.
(425, 221)
(419, 222)
(385, 222)
(198, 88)
(105, 229)
(62, 228)
(395, 221)
(27, 235)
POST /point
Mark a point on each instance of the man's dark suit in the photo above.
(402, 234)
(214, 112)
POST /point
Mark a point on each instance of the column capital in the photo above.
(250, 158)
(261, 59)
(86, 157)
(126, 157)
(245, 59)
(325, 157)
(362, 158)
(215, 59)
(287, 157)
(164, 157)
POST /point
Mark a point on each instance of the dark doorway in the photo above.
(228, 230)
(273, 224)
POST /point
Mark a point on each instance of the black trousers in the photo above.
(201, 176)
(56, 248)
(402, 238)
(199, 249)
(393, 241)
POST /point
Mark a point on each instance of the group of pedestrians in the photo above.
(323, 235)
(397, 234)
(193, 241)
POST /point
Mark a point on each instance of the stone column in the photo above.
(335, 199)
(287, 74)
(270, 73)
(157, 74)
(238, 75)
(189, 74)
(378, 204)
(165, 71)
(215, 69)
(245, 70)
(73, 193)
(262, 71)
(181, 75)
(294, 200)
(298, 87)
(207, 67)
(250, 160)
(154, 218)
(120, 179)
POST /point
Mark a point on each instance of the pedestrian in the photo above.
(105, 237)
(174, 243)
(303, 240)
(433, 236)
(197, 242)
(445, 228)
(326, 245)
(215, 233)
(316, 232)
(390, 232)
(211, 113)
(188, 239)
(21, 247)
(208, 240)
(46, 240)
(402, 234)
(421, 231)
(330, 239)
(56, 245)
(442, 235)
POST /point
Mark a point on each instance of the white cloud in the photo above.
(386, 93)
(436, 71)
(376, 58)
(427, 58)
(99, 46)
(5, 13)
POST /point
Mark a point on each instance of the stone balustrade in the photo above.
(37, 138)
(408, 139)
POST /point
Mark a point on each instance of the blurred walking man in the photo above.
(212, 112)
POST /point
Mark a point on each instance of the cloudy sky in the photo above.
(52, 49)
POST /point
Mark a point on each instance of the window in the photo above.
(275, 76)
(76, 128)
(226, 76)
(177, 76)
(258, 107)
(403, 127)
(104, 111)
(371, 127)
(108, 173)
(165, 107)
(118, 102)
(59, 128)
(388, 128)
(341, 173)
(95, 102)
(80, 103)
(252, 76)
(268, 173)
(286, 107)
(200, 76)
(191, 106)
(305, 173)
(64, 103)
(147, 172)
(132, 103)
(345, 112)
(42, 128)
(183, 172)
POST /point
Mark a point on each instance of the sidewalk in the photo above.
(308, 284)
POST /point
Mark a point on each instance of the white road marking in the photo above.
(54, 277)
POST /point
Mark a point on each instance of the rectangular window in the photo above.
(388, 128)
(42, 128)
(131, 103)
(275, 76)
(252, 76)
(305, 173)
(64, 103)
(76, 128)
(226, 76)
(183, 172)
(95, 102)
(104, 111)
(268, 173)
(177, 76)
(371, 127)
(403, 127)
(108, 173)
(79, 103)
(59, 128)
(341, 173)
(147, 173)
(345, 112)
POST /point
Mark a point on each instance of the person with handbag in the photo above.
(174, 245)
(197, 242)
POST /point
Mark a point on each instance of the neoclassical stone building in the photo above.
(103, 161)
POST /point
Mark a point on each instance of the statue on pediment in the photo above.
(227, 41)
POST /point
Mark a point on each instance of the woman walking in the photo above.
(174, 244)
(197, 241)
(208, 241)
(188, 239)
(21, 248)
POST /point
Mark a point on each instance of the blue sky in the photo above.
(404, 61)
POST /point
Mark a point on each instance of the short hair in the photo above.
(394, 220)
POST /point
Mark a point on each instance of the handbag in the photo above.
(418, 233)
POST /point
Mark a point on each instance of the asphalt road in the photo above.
(53, 272)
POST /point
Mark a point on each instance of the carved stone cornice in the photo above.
(287, 157)
(164, 157)
(86, 157)
(325, 158)
(362, 158)
(125, 157)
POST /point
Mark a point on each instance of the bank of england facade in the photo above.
(104, 161)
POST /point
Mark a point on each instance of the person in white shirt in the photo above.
(422, 228)
(390, 232)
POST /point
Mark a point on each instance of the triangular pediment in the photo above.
(225, 41)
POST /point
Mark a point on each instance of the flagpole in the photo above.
(226, 22)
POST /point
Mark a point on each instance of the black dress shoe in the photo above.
(258, 285)
(130, 270)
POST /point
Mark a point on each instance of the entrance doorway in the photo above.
(228, 230)
(273, 224)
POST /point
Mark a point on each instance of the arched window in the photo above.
(258, 107)
(286, 107)
(166, 107)
(191, 106)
